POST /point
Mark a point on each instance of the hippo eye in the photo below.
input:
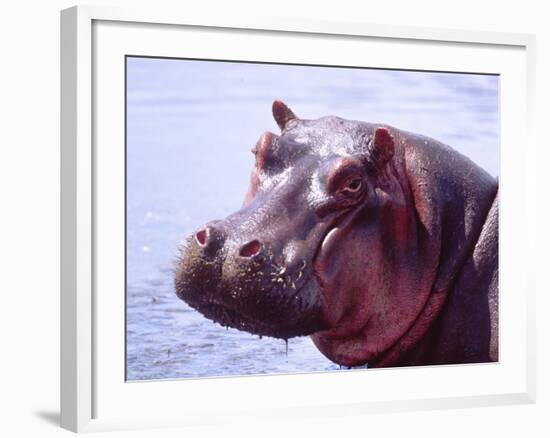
(353, 185)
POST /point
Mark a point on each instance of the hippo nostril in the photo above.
(250, 249)
(201, 237)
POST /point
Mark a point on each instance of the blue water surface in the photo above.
(190, 128)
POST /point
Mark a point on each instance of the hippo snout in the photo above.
(239, 279)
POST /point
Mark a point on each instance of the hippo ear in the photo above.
(381, 148)
(282, 114)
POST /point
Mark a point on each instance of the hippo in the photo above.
(379, 244)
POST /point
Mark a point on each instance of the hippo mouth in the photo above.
(229, 317)
(241, 317)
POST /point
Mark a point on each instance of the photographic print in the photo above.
(298, 218)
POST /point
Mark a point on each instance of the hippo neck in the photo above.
(452, 197)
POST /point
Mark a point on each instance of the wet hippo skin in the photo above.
(380, 244)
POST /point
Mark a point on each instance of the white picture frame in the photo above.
(93, 396)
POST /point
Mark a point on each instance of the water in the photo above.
(191, 125)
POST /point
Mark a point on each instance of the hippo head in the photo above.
(329, 242)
